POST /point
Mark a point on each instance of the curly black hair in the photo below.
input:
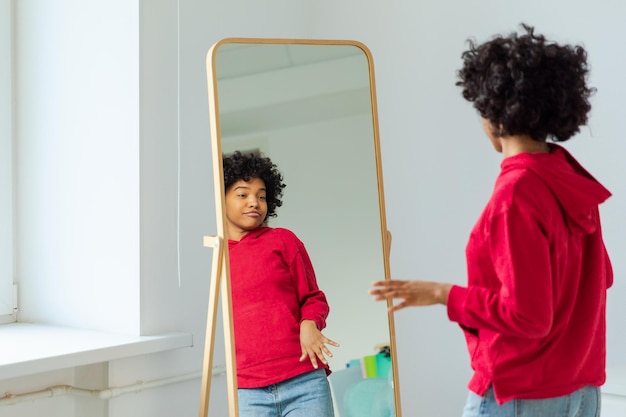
(526, 85)
(245, 167)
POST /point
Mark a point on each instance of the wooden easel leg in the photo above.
(229, 344)
(207, 367)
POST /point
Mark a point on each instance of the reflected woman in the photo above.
(278, 309)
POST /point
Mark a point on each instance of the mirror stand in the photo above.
(218, 279)
(308, 104)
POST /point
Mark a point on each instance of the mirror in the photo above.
(310, 106)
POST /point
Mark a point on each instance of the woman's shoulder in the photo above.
(283, 233)
(522, 191)
(286, 240)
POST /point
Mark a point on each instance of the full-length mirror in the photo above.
(310, 106)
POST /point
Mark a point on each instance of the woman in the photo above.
(533, 310)
(278, 309)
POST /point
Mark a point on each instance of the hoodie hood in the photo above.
(576, 190)
(252, 234)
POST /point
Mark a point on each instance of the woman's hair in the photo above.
(526, 85)
(245, 167)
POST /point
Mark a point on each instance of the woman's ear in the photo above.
(491, 130)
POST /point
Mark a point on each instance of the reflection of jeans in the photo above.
(306, 395)
(582, 403)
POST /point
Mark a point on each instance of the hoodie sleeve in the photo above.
(510, 290)
(312, 301)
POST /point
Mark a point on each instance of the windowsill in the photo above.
(28, 349)
(615, 381)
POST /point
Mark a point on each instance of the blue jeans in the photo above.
(582, 403)
(306, 395)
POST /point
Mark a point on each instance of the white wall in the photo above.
(6, 163)
(432, 145)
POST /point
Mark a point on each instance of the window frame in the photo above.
(8, 292)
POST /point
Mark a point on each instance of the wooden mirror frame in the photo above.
(220, 273)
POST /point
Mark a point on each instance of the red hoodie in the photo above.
(533, 311)
(273, 290)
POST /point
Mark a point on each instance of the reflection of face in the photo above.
(246, 207)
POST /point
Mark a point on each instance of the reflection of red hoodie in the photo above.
(273, 290)
(533, 311)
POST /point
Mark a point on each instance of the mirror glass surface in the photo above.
(309, 107)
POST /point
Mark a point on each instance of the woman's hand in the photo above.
(313, 343)
(414, 293)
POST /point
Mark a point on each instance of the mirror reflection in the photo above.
(309, 108)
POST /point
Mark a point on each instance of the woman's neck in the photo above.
(516, 144)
